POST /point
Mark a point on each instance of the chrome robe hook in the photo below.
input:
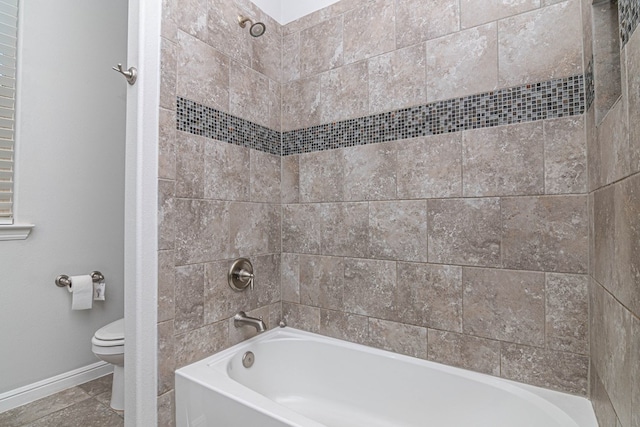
(131, 74)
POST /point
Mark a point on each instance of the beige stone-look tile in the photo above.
(275, 314)
(191, 17)
(202, 231)
(463, 63)
(635, 371)
(166, 285)
(301, 103)
(203, 73)
(169, 28)
(474, 13)
(632, 50)
(265, 177)
(267, 281)
(548, 233)
(76, 416)
(275, 106)
(301, 228)
(503, 160)
(345, 229)
(291, 57)
(98, 386)
(417, 20)
(556, 370)
(25, 414)
(343, 6)
(592, 233)
(166, 214)
(167, 144)
(594, 159)
(464, 231)
(464, 351)
(369, 172)
(565, 156)
(567, 312)
(398, 230)
(248, 90)
(166, 357)
(190, 165)
(430, 295)
(540, 45)
(345, 93)
(398, 337)
(322, 281)
(344, 326)
(254, 228)
(224, 33)
(225, 171)
(625, 285)
(602, 407)
(613, 141)
(290, 280)
(189, 298)
(322, 176)
(200, 343)
(369, 30)
(610, 330)
(168, 74)
(430, 167)
(604, 217)
(166, 410)
(290, 179)
(301, 316)
(321, 47)
(606, 57)
(401, 73)
(370, 287)
(220, 301)
(267, 52)
(504, 305)
(307, 21)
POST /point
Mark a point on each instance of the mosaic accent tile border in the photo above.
(205, 121)
(629, 18)
(551, 99)
(589, 86)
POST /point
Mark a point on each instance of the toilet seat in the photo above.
(110, 335)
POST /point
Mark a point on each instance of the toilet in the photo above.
(108, 345)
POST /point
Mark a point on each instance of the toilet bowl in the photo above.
(108, 345)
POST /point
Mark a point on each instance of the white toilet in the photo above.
(108, 345)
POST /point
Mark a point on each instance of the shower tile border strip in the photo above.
(530, 102)
(629, 18)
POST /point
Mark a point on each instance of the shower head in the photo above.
(256, 30)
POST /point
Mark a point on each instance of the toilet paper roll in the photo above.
(81, 292)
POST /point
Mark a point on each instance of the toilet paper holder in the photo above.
(62, 281)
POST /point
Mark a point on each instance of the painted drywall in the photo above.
(285, 11)
(69, 183)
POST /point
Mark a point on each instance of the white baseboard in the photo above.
(26, 394)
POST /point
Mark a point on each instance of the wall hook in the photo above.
(131, 74)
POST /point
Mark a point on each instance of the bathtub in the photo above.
(302, 379)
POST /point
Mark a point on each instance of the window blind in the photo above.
(8, 48)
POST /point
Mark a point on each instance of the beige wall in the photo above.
(614, 185)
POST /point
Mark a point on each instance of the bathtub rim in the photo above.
(213, 367)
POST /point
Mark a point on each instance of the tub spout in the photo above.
(241, 319)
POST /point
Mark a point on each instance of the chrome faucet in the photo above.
(241, 319)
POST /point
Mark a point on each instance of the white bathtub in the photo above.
(303, 379)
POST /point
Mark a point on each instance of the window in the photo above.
(8, 48)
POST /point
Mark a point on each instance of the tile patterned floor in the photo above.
(86, 405)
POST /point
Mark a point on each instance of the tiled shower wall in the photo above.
(218, 201)
(614, 203)
(468, 248)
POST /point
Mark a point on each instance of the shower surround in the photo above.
(408, 175)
